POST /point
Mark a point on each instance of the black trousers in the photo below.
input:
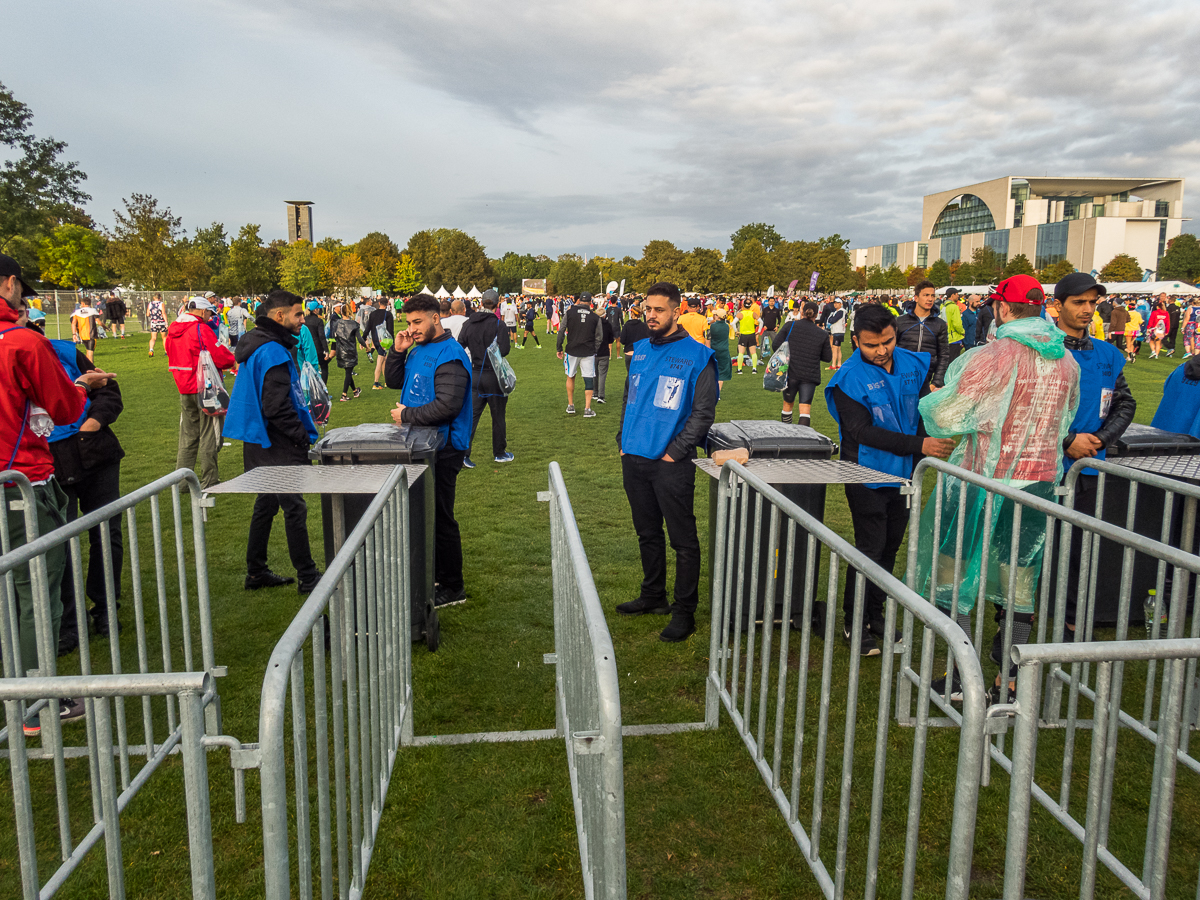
(101, 487)
(1085, 502)
(880, 516)
(497, 403)
(295, 526)
(661, 491)
(447, 549)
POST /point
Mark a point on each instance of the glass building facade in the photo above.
(1051, 244)
(889, 256)
(998, 241)
(952, 248)
(969, 215)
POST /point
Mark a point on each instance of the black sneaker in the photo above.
(993, 697)
(875, 626)
(939, 687)
(644, 607)
(267, 580)
(100, 625)
(446, 597)
(681, 626)
(307, 586)
(867, 645)
(67, 644)
(68, 711)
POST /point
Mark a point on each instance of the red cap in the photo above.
(1021, 289)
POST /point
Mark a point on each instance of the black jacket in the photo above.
(631, 332)
(808, 347)
(704, 407)
(926, 336)
(85, 451)
(289, 440)
(449, 388)
(316, 327)
(1121, 407)
(477, 334)
(984, 317)
(582, 331)
(377, 318)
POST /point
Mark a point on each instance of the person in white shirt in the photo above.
(837, 334)
(508, 312)
(454, 316)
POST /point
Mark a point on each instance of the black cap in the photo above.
(950, 292)
(585, 298)
(1075, 284)
(9, 266)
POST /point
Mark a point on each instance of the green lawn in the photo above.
(497, 821)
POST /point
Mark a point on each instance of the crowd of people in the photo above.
(1015, 386)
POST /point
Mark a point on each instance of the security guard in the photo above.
(669, 403)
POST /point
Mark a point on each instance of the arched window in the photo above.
(965, 214)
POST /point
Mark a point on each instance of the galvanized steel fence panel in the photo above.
(588, 704)
(766, 693)
(354, 632)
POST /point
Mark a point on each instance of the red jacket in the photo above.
(186, 337)
(31, 375)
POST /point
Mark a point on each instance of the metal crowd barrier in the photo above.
(354, 629)
(588, 704)
(766, 693)
(192, 691)
(1093, 831)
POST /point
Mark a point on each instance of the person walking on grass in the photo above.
(582, 333)
(346, 341)
(530, 319)
(156, 320)
(718, 342)
(476, 336)
(669, 403)
(747, 332)
(808, 346)
(836, 323)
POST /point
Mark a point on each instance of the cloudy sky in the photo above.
(583, 126)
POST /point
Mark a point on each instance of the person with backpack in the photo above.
(476, 335)
(199, 432)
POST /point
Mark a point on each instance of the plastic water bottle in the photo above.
(1148, 606)
(40, 422)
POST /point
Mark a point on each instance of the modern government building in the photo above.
(1086, 221)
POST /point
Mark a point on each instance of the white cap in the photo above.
(199, 303)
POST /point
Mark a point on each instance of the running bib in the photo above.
(1105, 402)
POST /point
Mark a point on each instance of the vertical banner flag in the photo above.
(771, 291)
(812, 282)
(621, 292)
(792, 286)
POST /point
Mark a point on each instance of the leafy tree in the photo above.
(962, 272)
(702, 270)
(939, 273)
(987, 265)
(71, 256)
(463, 261)
(1018, 265)
(766, 235)
(1056, 272)
(1121, 267)
(1182, 259)
(510, 269)
(350, 274)
(143, 249)
(567, 276)
(858, 279)
(250, 270)
(380, 255)
(193, 272)
(913, 274)
(876, 278)
(406, 280)
(298, 272)
(752, 269)
(661, 261)
(895, 278)
(614, 270)
(37, 188)
(213, 246)
(327, 261)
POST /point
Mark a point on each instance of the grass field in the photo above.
(496, 821)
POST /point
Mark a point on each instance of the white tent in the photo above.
(474, 292)
(426, 290)
(1151, 287)
(442, 293)
(459, 294)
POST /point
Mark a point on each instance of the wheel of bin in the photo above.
(433, 628)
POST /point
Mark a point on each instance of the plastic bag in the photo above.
(214, 399)
(384, 337)
(776, 376)
(504, 372)
(316, 394)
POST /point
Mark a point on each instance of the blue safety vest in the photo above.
(244, 421)
(423, 360)
(1099, 368)
(1179, 409)
(69, 357)
(892, 399)
(661, 388)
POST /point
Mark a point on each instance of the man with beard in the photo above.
(434, 374)
(669, 403)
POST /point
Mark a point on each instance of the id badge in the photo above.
(1105, 402)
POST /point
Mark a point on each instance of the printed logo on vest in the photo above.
(669, 394)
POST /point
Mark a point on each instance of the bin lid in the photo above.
(1144, 440)
(769, 438)
(377, 438)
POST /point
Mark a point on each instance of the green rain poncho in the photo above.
(1013, 402)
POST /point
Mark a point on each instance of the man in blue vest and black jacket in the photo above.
(669, 403)
(873, 398)
(435, 379)
(269, 414)
(1106, 407)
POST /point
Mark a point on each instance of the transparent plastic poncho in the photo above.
(1013, 402)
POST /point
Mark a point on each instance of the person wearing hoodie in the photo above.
(268, 414)
(1013, 402)
(316, 330)
(476, 335)
(199, 433)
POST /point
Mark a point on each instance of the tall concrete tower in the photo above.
(299, 221)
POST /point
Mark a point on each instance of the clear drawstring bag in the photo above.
(214, 399)
(316, 394)
(504, 372)
(776, 376)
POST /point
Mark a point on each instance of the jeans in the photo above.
(661, 491)
(880, 516)
(101, 487)
(447, 550)
(497, 403)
